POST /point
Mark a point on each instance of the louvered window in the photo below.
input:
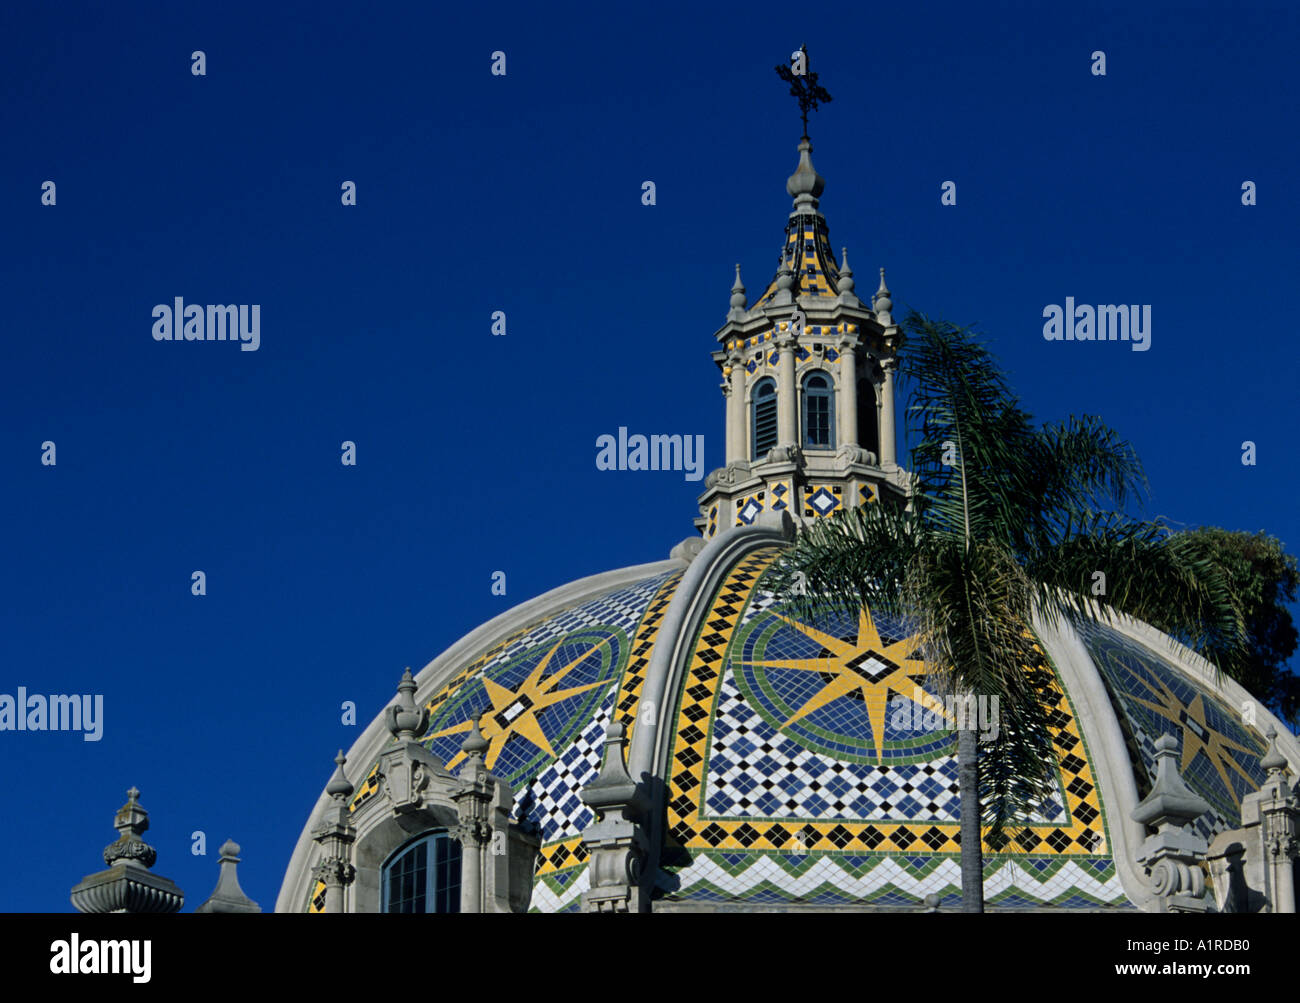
(764, 430)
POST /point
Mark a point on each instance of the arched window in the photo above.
(818, 412)
(423, 876)
(868, 428)
(763, 432)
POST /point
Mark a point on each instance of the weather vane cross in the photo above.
(803, 84)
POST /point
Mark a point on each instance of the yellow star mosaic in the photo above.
(849, 665)
(514, 711)
(689, 828)
(1198, 736)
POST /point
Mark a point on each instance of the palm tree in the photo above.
(1007, 522)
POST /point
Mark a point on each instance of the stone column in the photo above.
(848, 394)
(1279, 811)
(473, 805)
(335, 836)
(471, 866)
(888, 458)
(787, 418)
(737, 427)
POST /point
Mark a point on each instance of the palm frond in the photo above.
(856, 558)
(1172, 581)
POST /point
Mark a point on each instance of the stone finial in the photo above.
(475, 744)
(1273, 761)
(616, 842)
(339, 787)
(805, 185)
(1171, 802)
(882, 303)
(405, 720)
(846, 272)
(228, 896)
(1172, 855)
(131, 822)
(613, 786)
(784, 283)
(738, 298)
(128, 885)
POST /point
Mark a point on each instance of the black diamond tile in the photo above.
(840, 836)
(933, 838)
(713, 834)
(746, 835)
(1058, 840)
(1029, 840)
(689, 757)
(682, 805)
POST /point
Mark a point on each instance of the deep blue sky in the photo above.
(522, 194)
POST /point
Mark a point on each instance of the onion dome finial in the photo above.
(738, 298)
(339, 787)
(846, 272)
(475, 744)
(882, 303)
(805, 185)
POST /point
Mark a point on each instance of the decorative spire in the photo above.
(475, 744)
(805, 185)
(339, 788)
(228, 896)
(784, 283)
(846, 273)
(1171, 802)
(1273, 761)
(131, 822)
(738, 299)
(613, 786)
(406, 721)
(806, 260)
(882, 303)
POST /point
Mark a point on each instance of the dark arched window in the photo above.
(423, 876)
(868, 429)
(818, 412)
(763, 432)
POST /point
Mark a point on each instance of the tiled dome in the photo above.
(782, 776)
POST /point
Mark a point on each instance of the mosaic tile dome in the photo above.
(783, 779)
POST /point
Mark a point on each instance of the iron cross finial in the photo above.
(803, 85)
